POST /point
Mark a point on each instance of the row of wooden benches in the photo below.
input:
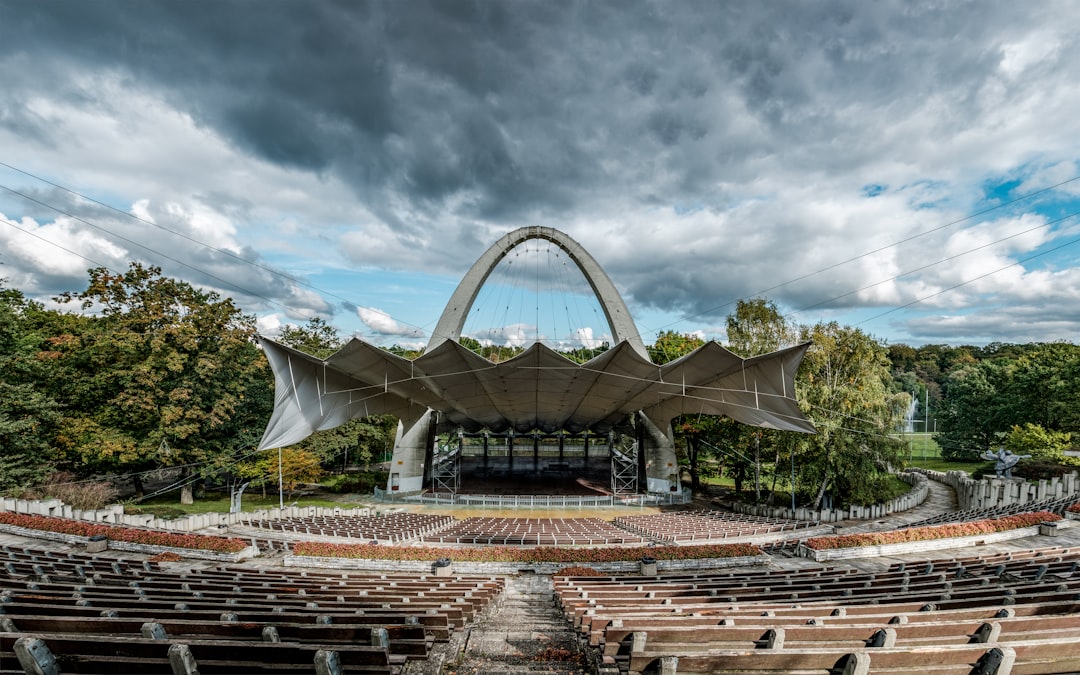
(104, 615)
(629, 530)
(952, 612)
(391, 527)
(1056, 505)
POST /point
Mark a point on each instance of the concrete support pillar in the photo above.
(410, 452)
(661, 466)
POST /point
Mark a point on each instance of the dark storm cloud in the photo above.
(681, 142)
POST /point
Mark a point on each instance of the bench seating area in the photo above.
(945, 615)
(534, 532)
(1056, 505)
(391, 528)
(95, 614)
(699, 526)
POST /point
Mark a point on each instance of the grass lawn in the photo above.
(168, 505)
(924, 453)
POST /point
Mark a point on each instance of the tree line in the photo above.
(140, 375)
(1024, 397)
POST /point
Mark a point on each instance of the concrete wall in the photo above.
(114, 515)
(995, 492)
(622, 567)
(916, 496)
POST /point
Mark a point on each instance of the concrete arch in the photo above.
(615, 311)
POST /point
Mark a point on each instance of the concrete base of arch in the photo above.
(661, 465)
(412, 449)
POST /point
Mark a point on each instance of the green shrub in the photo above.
(360, 483)
(877, 489)
(163, 512)
(1037, 469)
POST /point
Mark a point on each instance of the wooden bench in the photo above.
(76, 653)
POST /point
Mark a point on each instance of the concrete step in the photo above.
(524, 633)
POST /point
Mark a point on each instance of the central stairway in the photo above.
(523, 632)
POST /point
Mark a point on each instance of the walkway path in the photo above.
(523, 632)
(939, 499)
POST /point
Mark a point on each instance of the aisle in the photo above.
(939, 499)
(523, 633)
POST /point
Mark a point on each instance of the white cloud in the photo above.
(382, 323)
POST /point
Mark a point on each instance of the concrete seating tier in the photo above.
(534, 532)
(948, 615)
(705, 525)
(389, 528)
(1057, 505)
(91, 614)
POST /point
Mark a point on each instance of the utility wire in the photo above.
(1067, 244)
(856, 258)
(142, 246)
(289, 278)
(330, 294)
(940, 262)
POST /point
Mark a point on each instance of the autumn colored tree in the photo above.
(298, 466)
(170, 366)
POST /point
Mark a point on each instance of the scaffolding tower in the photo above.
(624, 470)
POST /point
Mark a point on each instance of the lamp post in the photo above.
(280, 482)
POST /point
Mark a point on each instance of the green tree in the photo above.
(1040, 443)
(170, 366)
(971, 418)
(843, 386)
(670, 345)
(757, 327)
(29, 413)
(316, 338)
(27, 423)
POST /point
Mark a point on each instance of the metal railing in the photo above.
(539, 501)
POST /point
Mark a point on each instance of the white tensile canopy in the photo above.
(537, 390)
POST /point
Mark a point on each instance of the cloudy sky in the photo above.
(908, 168)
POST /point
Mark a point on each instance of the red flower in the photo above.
(150, 537)
(947, 531)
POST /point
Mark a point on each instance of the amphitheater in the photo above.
(972, 606)
(614, 569)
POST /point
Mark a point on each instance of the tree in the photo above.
(843, 386)
(170, 366)
(298, 466)
(27, 422)
(757, 327)
(670, 345)
(317, 338)
(970, 415)
(29, 414)
(1041, 444)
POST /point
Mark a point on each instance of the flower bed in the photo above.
(947, 531)
(1075, 508)
(78, 528)
(508, 554)
(925, 539)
